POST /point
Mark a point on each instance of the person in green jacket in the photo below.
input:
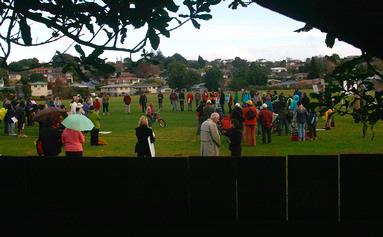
(95, 118)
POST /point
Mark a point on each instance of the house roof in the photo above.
(38, 83)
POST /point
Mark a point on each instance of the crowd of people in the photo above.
(238, 116)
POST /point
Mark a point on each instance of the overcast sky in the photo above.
(250, 33)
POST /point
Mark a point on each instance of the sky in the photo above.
(249, 33)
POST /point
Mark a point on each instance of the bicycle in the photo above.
(156, 118)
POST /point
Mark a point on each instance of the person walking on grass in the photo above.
(160, 98)
(266, 120)
(143, 132)
(105, 104)
(181, 97)
(210, 139)
(127, 101)
(250, 120)
(302, 116)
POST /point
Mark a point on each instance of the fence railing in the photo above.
(333, 189)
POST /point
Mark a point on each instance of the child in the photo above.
(235, 136)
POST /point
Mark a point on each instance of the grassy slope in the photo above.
(179, 139)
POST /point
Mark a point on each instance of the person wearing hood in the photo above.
(294, 103)
(302, 116)
(236, 114)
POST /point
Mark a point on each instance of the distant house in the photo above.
(124, 78)
(301, 76)
(13, 78)
(271, 82)
(150, 88)
(57, 74)
(117, 90)
(278, 69)
(39, 88)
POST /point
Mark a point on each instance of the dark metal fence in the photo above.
(293, 189)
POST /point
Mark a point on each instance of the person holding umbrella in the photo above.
(72, 137)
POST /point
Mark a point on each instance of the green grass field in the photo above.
(179, 139)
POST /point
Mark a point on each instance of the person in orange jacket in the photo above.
(250, 120)
(189, 100)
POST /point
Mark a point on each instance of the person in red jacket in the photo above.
(249, 115)
(97, 105)
(189, 99)
(127, 101)
(266, 120)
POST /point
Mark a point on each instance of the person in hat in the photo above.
(266, 119)
(250, 120)
(236, 114)
(208, 110)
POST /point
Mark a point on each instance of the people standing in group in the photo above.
(143, 100)
(189, 99)
(73, 142)
(127, 100)
(143, 132)
(210, 139)
(105, 103)
(197, 97)
(160, 98)
(266, 120)
(301, 116)
(181, 98)
(173, 97)
(250, 120)
(235, 136)
(96, 120)
(88, 103)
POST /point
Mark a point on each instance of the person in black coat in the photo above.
(236, 114)
(142, 133)
(235, 136)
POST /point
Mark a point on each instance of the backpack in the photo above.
(250, 114)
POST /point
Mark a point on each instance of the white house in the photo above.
(150, 88)
(118, 89)
(278, 69)
(39, 88)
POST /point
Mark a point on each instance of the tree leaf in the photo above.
(171, 6)
(153, 38)
(25, 31)
(204, 17)
(79, 50)
(330, 40)
(305, 28)
(196, 24)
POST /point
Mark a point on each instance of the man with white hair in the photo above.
(210, 139)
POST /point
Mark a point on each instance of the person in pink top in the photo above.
(72, 141)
